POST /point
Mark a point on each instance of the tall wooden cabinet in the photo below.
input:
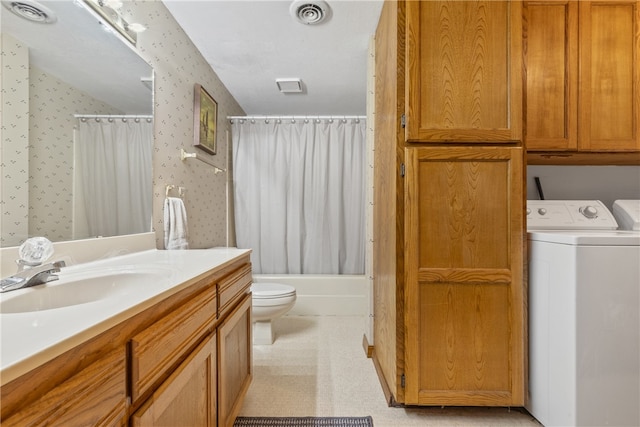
(449, 290)
(582, 72)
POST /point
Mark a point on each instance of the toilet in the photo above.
(269, 301)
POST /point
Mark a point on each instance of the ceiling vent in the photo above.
(289, 85)
(310, 12)
(31, 11)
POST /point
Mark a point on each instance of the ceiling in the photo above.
(250, 44)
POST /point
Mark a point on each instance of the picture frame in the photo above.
(205, 114)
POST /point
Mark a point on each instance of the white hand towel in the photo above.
(175, 224)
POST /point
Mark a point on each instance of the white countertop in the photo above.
(30, 339)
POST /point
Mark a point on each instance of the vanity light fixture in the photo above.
(107, 12)
(289, 85)
(136, 28)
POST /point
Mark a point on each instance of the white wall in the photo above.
(604, 183)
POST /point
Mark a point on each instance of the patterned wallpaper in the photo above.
(14, 159)
(52, 104)
(178, 66)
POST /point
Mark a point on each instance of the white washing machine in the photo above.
(584, 323)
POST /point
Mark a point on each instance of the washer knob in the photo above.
(542, 211)
(589, 211)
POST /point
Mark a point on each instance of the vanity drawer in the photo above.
(232, 287)
(157, 350)
(97, 396)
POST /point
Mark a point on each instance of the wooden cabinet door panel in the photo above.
(95, 396)
(464, 68)
(188, 397)
(235, 358)
(550, 33)
(464, 293)
(609, 75)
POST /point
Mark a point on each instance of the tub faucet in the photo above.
(31, 276)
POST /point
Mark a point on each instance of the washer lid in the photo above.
(627, 212)
(587, 237)
(569, 215)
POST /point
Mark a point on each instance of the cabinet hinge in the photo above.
(403, 121)
(402, 170)
(402, 382)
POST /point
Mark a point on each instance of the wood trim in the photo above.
(368, 349)
(584, 158)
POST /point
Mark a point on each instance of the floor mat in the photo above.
(303, 422)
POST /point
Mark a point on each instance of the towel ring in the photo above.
(181, 190)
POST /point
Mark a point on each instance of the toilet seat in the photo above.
(272, 290)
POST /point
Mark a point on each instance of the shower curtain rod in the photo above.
(296, 117)
(112, 116)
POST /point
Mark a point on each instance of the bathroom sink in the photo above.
(81, 287)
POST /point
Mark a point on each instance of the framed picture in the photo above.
(205, 112)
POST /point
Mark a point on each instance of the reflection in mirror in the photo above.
(77, 109)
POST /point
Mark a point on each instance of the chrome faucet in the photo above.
(31, 276)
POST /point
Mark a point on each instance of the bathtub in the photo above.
(324, 295)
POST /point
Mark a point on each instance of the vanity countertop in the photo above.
(30, 338)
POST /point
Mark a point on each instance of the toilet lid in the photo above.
(271, 290)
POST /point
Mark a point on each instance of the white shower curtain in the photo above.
(114, 157)
(300, 195)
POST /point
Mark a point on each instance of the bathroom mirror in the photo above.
(52, 73)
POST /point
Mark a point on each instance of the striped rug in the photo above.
(303, 422)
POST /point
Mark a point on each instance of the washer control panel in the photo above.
(569, 215)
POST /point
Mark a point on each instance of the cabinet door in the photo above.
(609, 75)
(464, 71)
(235, 361)
(464, 295)
(95, 396)
(188, 396)
(550, 34)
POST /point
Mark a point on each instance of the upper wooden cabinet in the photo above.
(463, 71)
(582, 75)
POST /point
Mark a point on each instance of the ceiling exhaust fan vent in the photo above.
(310, 12)
(31, 11)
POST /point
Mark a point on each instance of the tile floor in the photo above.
(317, 367)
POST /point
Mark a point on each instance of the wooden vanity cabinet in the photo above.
(582, 74)
(169, 365)
(449, 234)
(463, 71)
(206, 388)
